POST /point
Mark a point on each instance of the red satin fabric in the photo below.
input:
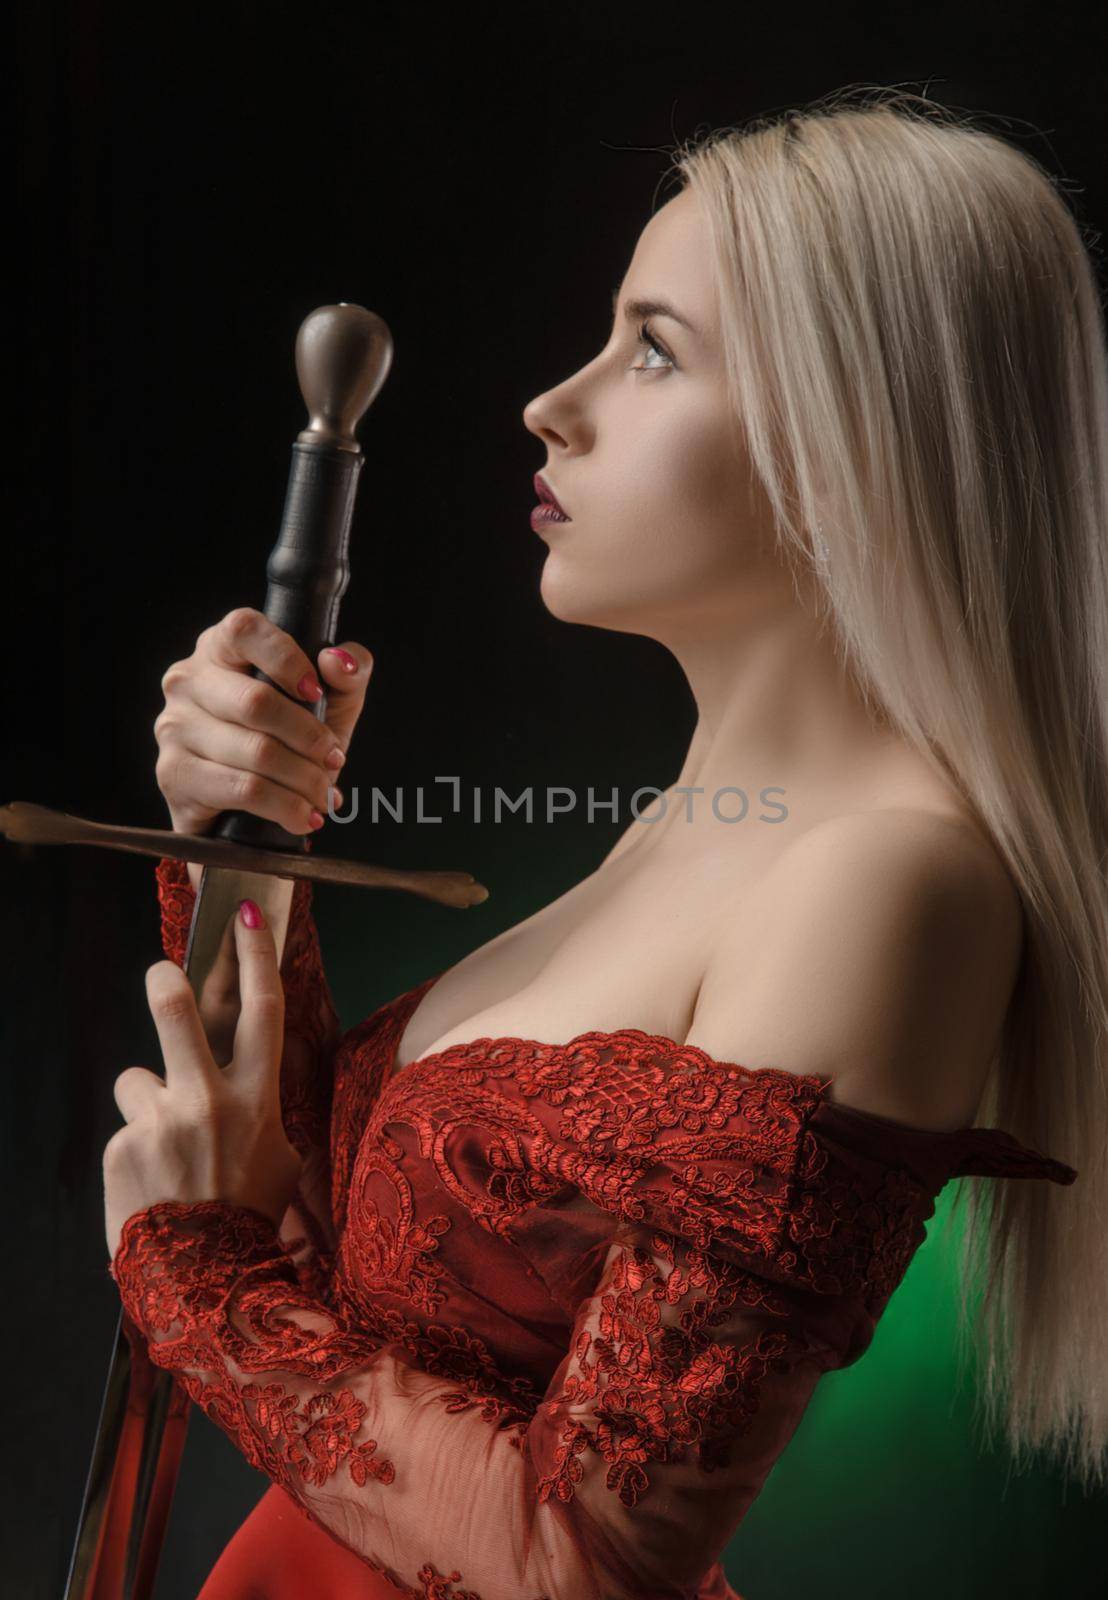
(542, 1317)
(279, 1555)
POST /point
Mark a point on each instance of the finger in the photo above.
(136, 1090)
(223, 788)
(346, 670)
(189, 1068)
(238, 749)
(259, 1037)
(245, 637)
(247, 702)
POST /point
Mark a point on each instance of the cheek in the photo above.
(679, 507)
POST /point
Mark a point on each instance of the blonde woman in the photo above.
(521, 1287)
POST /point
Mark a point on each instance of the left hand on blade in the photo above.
(206, 1132)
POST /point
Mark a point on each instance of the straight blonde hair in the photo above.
(916, 363)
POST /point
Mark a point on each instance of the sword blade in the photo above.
(140, 1436)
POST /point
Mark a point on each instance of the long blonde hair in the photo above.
(916, 362)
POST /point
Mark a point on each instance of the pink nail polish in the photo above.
(317, 819)
(348, 662)
(251, 914)
(309, 688)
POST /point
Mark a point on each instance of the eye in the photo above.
(647, 337)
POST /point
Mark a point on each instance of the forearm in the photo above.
(406, 1468)
(621, 1485)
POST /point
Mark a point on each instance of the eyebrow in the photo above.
(635, 310)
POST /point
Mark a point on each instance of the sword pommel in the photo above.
(343, 356)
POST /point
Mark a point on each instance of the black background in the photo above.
(191, 182)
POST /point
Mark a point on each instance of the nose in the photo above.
(532, 415)
(536, 419)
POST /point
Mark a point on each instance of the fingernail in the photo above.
(335, 797)
(336, 758)
(348, 662)
(317, 819)
(309, 687)
(251, 914)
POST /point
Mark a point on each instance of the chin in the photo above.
(566, 597)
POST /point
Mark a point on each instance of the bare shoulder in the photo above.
(881, 950)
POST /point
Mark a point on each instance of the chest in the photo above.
(624, 948)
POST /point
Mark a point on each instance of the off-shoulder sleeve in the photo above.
(753, 1235)
(312, 1032)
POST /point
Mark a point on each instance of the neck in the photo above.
(777, 711)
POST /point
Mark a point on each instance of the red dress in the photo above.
(542, 1317)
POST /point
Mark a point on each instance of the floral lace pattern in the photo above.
(568, 1305)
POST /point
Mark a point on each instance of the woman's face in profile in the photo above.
(667, 524)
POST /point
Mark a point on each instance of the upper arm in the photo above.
(880, 950)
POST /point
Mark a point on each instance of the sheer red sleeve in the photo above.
(717, 1237)
(312, 1031)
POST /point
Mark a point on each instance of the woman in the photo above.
(520, 1287)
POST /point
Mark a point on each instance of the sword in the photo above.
(343, 356)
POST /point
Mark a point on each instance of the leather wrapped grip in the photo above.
(308, 571)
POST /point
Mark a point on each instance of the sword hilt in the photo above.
(343, 356)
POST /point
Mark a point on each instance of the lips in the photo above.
(547, 497)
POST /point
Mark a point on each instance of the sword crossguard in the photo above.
(23, 822)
